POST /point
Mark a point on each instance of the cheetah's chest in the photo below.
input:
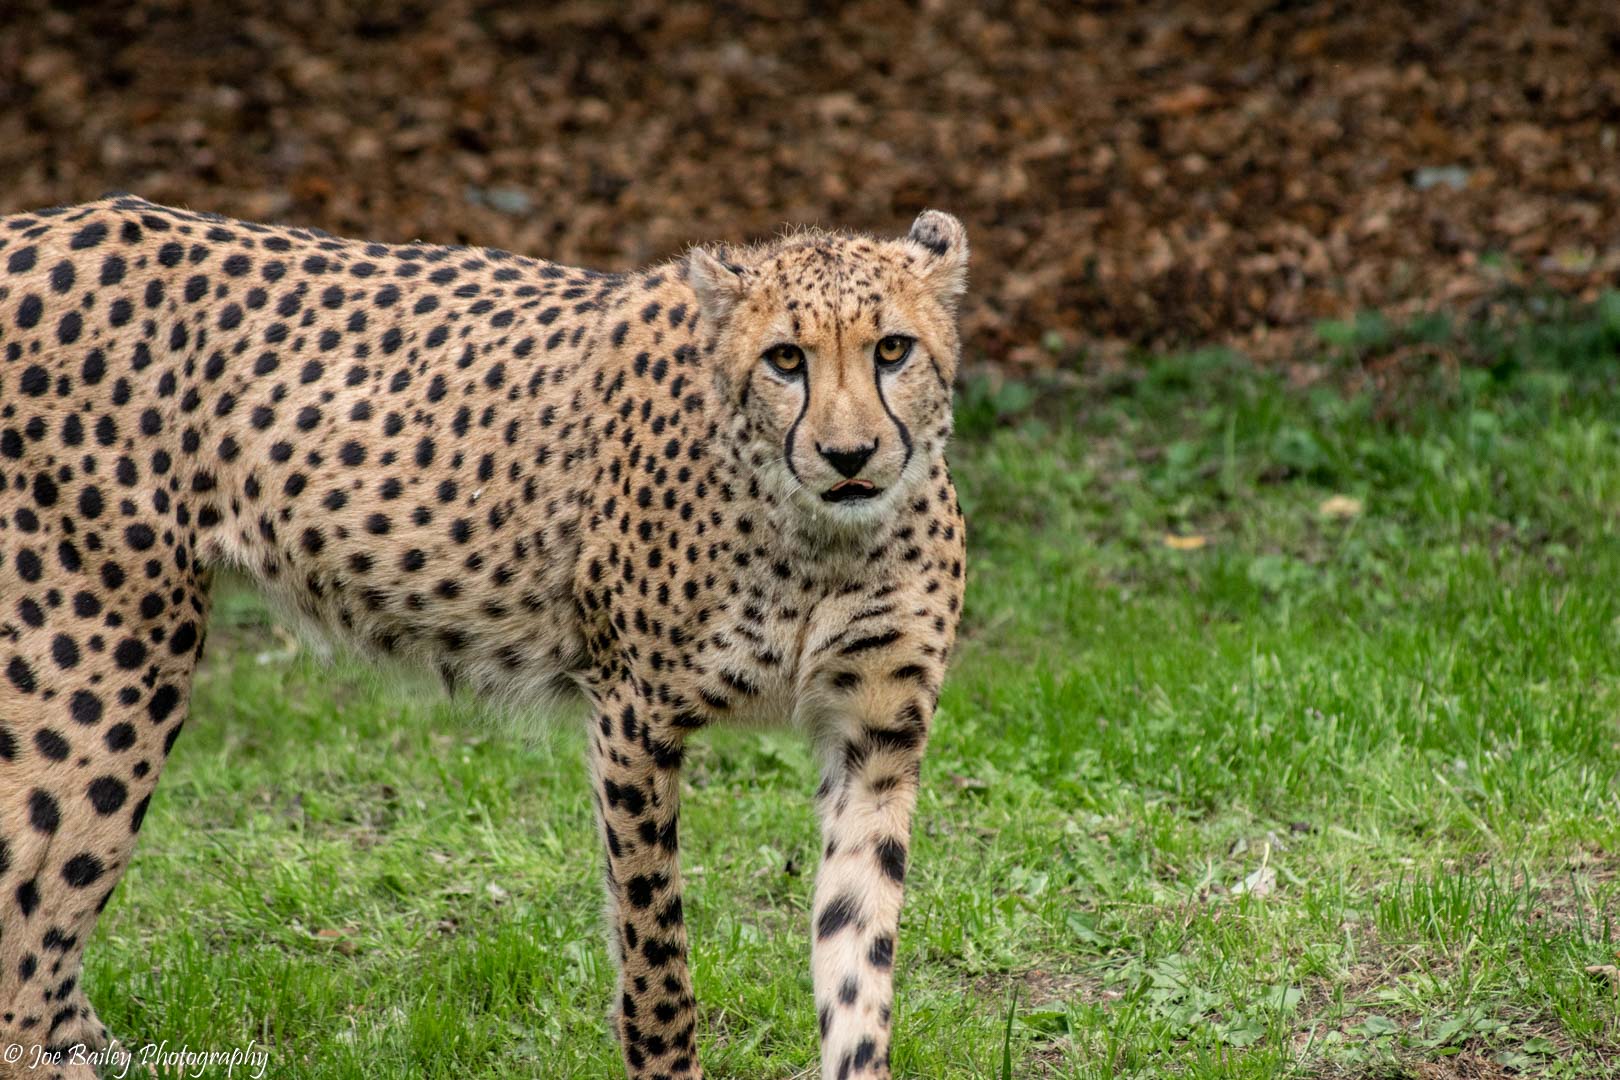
(769, 645)
(747, 669)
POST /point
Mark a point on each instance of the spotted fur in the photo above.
(527, 476)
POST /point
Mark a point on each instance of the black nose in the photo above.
(848, 462)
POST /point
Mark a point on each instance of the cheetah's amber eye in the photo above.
(788, 359)
(893, 350)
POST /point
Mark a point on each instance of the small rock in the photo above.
(1454, 177)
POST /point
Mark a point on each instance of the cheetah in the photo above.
(709, 492)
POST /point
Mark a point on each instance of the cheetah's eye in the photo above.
(893, 350)
(788, 359)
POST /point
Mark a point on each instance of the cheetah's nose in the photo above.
(848, 462)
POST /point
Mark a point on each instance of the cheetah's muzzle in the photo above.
(518, 473)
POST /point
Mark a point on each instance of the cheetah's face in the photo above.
(836, 354)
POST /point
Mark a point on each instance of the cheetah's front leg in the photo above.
(872, 760)
(636, 762)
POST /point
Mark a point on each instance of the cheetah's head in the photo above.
(835, 354)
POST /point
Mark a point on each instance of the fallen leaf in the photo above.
(1340, 506)
(1184, 100)
(338, 939)
(1607, 972)
(1263, 882)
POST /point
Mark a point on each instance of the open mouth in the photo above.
(846, 490)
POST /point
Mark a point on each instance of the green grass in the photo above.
(1326, 796)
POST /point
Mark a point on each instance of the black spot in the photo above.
(89, 236)
(640, 889)
(865, 1051)
(183, 638)
(85, 707)
(164, 699)
(43, 813)
(65, 651)
(35, 380)
(140, 536)
(107, 794)
(874, 641)
(82, 870)
(835, 916)
(891, 855)
(51, 744)
(29, 311)
(21, 675)
(45, 490)
(129, 654)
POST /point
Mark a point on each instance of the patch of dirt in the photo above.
(1038, 989)
(1147, 172)
(1466, 1065)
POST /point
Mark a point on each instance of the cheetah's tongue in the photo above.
(850, 489)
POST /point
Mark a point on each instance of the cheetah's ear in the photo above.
(943, 254)
(719, 285)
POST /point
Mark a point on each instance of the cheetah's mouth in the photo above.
(846, 490)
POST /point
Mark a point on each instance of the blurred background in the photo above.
(1157, 173)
